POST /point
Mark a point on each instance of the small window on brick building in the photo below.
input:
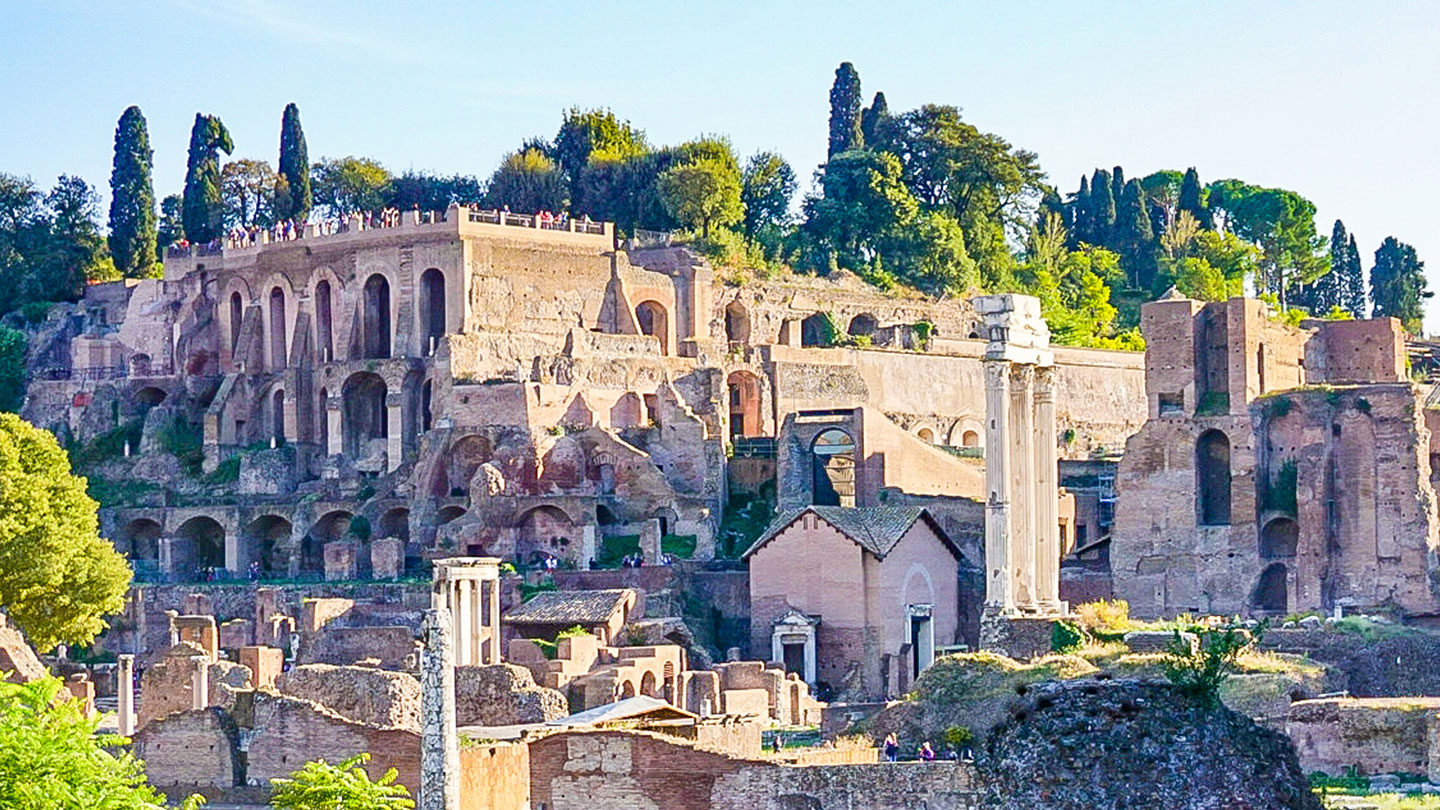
(1172, 404)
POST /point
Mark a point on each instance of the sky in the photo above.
(1336, 100)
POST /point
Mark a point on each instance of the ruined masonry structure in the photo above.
(468, 588)
(1281, 469)
(1022, 542)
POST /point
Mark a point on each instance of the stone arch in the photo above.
(926, 435)
(648, 686)
(1271, 594)
(449, 513)
(140, 365)
(140, 540)
(1279, 538)
(324, 320)
(395, 523)
(737, 323)
(375, 317)
(363, 414)
(833, 467)
(466, 456)
(815, 330)
(1212, 478)
(431, 310)
(745, 406)
(150, 396)
(277, 415)
(277, 323)
(332, 526)
(970, 438)
(268, 537)
(863, 324)
(654, 320)
(627, 688)
(199, 544)
(545, 531)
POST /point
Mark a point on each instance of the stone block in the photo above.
(1154, 641)
(265, 664)
(237, 633)
(342, 559)
(82, 689)
(387, 557)
(267, 472)
(746, 701)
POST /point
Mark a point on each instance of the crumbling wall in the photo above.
(1375, 735)
(366, 695)
(191, 748)
(288, 732)
(502, 695)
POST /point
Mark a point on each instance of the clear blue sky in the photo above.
(1336, 100)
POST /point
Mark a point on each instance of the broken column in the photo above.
(439, 743)
(468, 588)
(200, 682)
(125, 693)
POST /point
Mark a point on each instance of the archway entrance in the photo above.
(363, 412)
(432, 309)
(198, 548)
(745, 415)
(268, 536)
(833, 466)
(376, 317)
(652, 319)
(1212, 478)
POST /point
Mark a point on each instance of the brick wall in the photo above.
(290, 732)
(495, 777)
(1379, 735)
(192, 748)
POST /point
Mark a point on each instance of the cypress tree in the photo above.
(202, 211)
(845, 104)
(1190, 199)
(870, 120)
(132, 199)
(1082, 215)
(292, 182)
(1397, 284)
(1353, 280)
(1133, 237)
(1117, 182)
(1332, 288)
(1102, 209)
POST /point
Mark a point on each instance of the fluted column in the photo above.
(999, 590)
(125, 691)
(494, 623)
(463, 618)
(1022, 493)
(1047, 494)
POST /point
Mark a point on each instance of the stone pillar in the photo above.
(200, 682)
(458, 586)
(1022, 478)
(1047, 495)
(334, 435)
(999, 590)
(167, 556)
(394, 445)
(439, 742)
(125, 692)
(464, 622)
(492, 623)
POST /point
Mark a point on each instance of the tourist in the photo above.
(927, 754)
(775, 743)
(892, 747)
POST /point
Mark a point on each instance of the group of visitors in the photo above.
(925, 753)
(637, 560)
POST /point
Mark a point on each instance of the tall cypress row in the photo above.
(1353, 287)
(1102, 209)
(1190, 199)
(132, 198)
(1117, 182)
(293, 199)
(1133, 236)
(202, 211)
(845, 106)
(1082, 215)
(870, 119)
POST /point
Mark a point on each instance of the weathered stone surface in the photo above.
(1375, 735)
(502, 695)
(367, 695)
(16, 657)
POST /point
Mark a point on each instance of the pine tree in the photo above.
(870, 119)
(203, 212)
(1190, 193)
(1397, 284)
(1082, 215)
(1102, 209)
(845, 104)
(1353, 280)
(292, 183)
(1133, 237)
(132, 199)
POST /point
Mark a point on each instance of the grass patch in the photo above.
(616, 547)
(680, 545)
(185, 442)
(528, 591)
(226, 472)
(107, 446)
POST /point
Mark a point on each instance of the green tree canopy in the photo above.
(52, 759)
(1102, 208)
(584, 133)
(204, 206)
(1397, 284)
(132, 199)
(346, 786)
(767, 185)
(50, 243)
(703, 192)
(1192, 198)
(930, 255)
(349, 185)
(864, 200)
(872, 116)
(1132, 236)
(248, 191)
(845, 106)
(172, 223)
(13, 345)
(431, 192)
(1282, 224)
(528, 181)
(1349, 274)
(58, 578)
(293, 195)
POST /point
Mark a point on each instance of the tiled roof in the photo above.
(874, 528)
(584, 608)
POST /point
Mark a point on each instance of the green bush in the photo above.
(1065, 637)
(613, 548)
(528, 591)
(957, 736)
(359, 527)
(1200, 670)
(680, 545)
(226, 472)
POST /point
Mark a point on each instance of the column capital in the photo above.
(1045, 382)
(1022, 375)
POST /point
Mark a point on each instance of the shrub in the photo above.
(572, 632)
(320, 786)
(1105, 616)
(923, 331)
(957, 736)
(1065, 637)
(359, 527)
(681, 545)
(1200, 670)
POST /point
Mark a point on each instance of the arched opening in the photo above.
(745, 416)
(332, 526)
(427, 405)
(277, 416)
(324, 322)
(198, 547)
(466, 456)
(277, 328)
(1271, 596)
(268, 537)
(363, 412)
(140, 365)
(140, 543)
(376, 317)
(605, 516)
(970, 439)
(627, 689)
(432, 309)
(668, 687)
(737, 323)
(862, 324)
(647, 685)
(545, 532)
(653, 321)
(322, 421)
(237, 314)
(395, 523)
(815, 330)
(312, 556)
(1212, 478)
(1280, 538)
(448, 514)
(833, 464)
(926, 435)
(149, 396)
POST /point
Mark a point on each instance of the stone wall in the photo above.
(190, 748)
(502, 695)
(288, 732)
(494, 776)
(363, 694)
(1373, 735)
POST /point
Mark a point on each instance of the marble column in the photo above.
(394, 444)
(464, 616)
(999, 590)
(125, 691)
(1047, 494)
(439, 741)
(200, 682)
(492, 624)
(1022, 496)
